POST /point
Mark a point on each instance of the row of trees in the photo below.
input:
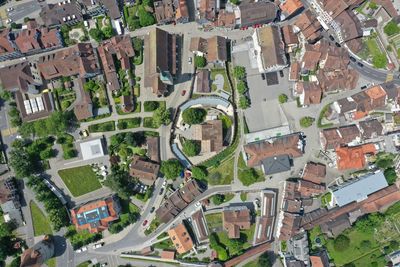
(57, 213)
(239, 73)
(7, 240)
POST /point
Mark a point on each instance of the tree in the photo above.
(244, 102)
(384, 162)
(264, 260)
(248, 176)
(191, 148)
(108, 31)
(239, 72)
(391, 28)
(390, 175)
(241, 87)
(133, 23)
(217, 199)
(282, 98)
(120, 182)
(171, 168)
(96, 34)
(46, 154)
(200, 62)
(341, 243)
(162, 116)
(394, 245)
(194, 115)
(372, 5)
(199, 172)
(21, 162)
(369, 223)
(379, 61)
(137, 43)
(5, 95)
(306, 121)
(145, 18)
(235, 2)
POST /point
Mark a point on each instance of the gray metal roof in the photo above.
(359, 189)
(276, 164)
(206, 101)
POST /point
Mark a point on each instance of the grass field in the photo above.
(214, 221)
(41, 225)
(80, 180)
(213, 73)
(223, 174)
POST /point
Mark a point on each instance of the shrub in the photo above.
(379, 61)
(241, 87)
(239, 72)
(96, 34)
(217, 199)
(283, 98)
(306, 122)
(150, 105)
(194, 115)
(341, 243)
(248, 176)
(244, 102)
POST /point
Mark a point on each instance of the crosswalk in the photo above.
(389, 77)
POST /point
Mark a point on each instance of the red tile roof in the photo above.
(353, 158)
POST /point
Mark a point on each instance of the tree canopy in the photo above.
(199, 172)
(191, 148)
(306, 121)
(194, 115)
(120, 182)
(239, 72)
(244, 102)
(162, 116)
(200, 61)
(282, 98)
(171, 168)
(96, 34)
(145, 18)
(341, 243)
(391, 28)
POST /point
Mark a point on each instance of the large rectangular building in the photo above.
(270, 49)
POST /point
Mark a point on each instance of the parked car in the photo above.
(363, 87)
(10, 9)
(161, 191)
(353, 59)
(78, 250)
(145, 222)
(164, 184)
(8, 21)
(331, 37)
(281, 73)
(98, 245)
(360, 64)
(338, 45)
(183, 92)
(190, 60)
(84, 248)
(152, 209)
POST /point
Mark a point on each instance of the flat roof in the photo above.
(267, 134)
(92, 149)
(359, 189)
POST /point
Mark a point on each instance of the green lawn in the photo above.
(129, 123)
(223, 174)
(80, 180)
(41, 225)
(214, 220)
(148, 122)
(107, 126)
(213, 73)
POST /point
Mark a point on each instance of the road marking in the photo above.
(9, 131)
(389, 77)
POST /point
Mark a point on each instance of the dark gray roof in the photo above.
(276, 164)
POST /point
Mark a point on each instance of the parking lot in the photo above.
(17, 11)
(265, 111)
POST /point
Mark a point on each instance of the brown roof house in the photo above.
(199, 226)
(181, 238)
(121, 48)
(207, 10)
(20, 77)
(34, 107)
(84, 108)
(314, 172)
(67, 12)
(226, 19)
(127, 103)
(370, 129)
(309, 93)
(214, 49)
(309, 25)
(210, 133)
(34, 39)
(37, 255)
(235, 219)
(270, 49)
(335, 137)
(145, 171)
(160, 60)
(291, 8)
(164, 11)
(260, 12)
(202, 82)
(290, 38)
(291, 145)
(153, 148)
(8, 49)
(78, 60)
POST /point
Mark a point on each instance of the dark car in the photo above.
(152, 209)
(360, 64)
(353, 59)
(331, 37)
(263, 76)
(161, 191)
(338, 45)
(145, 222)
(363, 87)
(281, 73)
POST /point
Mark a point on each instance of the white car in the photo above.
(84, 248)
(9, 21)
(99, 245)
(10, 9)
(78, 250)
(190, 60)
(164, 184)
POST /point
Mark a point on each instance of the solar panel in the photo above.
(28, 108)
(40, 103)
(34, 105)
